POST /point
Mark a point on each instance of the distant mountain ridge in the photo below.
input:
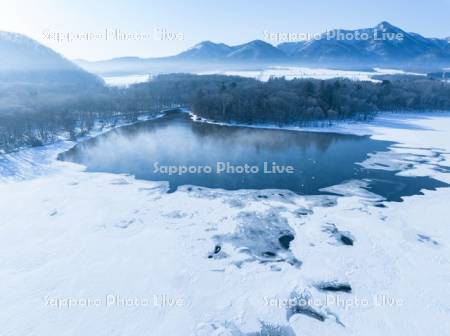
(206, 50)
(254, 50)
(377, 48)
(24, 60)
(381, 45)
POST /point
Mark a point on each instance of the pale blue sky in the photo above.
(230, 21)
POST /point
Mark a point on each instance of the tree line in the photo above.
(301, 101)
(32, 115)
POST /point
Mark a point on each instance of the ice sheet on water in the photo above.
(79, 233)
(354, 188)
(265, 237)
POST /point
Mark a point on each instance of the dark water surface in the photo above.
(318, 160)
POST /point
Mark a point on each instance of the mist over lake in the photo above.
(182, 152)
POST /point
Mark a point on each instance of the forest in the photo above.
(32, 115)
(299, 101)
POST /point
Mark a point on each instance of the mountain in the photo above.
(382, 45)
(203, 56)
(256, 51)
(252, 51)
(205, 50)
(25, 60)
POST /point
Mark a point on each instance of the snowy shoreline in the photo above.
(26, 163)
(196, 262)
(355, 127)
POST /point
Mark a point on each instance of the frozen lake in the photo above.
(183, 152)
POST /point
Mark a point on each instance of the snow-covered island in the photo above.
(107, 254)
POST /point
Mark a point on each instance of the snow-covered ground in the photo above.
(124, 81)
(274, 72)
(317, 73)
(103, 254)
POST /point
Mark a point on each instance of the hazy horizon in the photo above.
(167, 28)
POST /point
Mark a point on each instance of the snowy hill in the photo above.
(256, 50)
(206, 50)
(25, 60)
